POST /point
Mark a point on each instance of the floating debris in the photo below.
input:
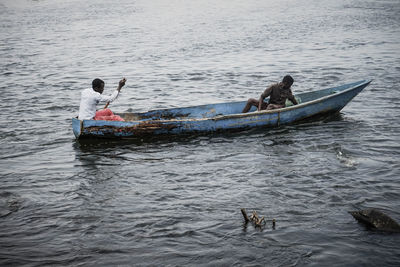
(256, 219)
(246, 219)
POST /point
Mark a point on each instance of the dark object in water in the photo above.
(246, 219)
(257, 221)
(376, 219)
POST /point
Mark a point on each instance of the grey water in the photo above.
(176, 201)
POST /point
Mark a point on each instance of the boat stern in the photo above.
(77, 127)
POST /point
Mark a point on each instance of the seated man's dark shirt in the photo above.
(278, 94)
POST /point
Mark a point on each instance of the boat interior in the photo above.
(212, 110)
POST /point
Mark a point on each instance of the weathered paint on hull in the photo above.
(205, 118)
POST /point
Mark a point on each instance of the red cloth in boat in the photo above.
(107, 115)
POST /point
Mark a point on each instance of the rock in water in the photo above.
(376, 219)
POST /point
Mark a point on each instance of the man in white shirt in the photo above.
(91, 97)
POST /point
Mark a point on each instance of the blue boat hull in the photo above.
(218, 117)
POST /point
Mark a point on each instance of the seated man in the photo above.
(278, 93)
(91, 97)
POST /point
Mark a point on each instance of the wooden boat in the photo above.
(218, 117)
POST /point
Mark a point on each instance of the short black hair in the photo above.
(288, 80)
(96, 83)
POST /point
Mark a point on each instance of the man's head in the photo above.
(98, 85)
(287, 81)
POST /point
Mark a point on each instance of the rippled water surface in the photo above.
(176, 201)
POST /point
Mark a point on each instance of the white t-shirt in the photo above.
(89, 99)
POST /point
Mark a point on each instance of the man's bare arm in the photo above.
(121, 84)
(291, 98)
(266, 93)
